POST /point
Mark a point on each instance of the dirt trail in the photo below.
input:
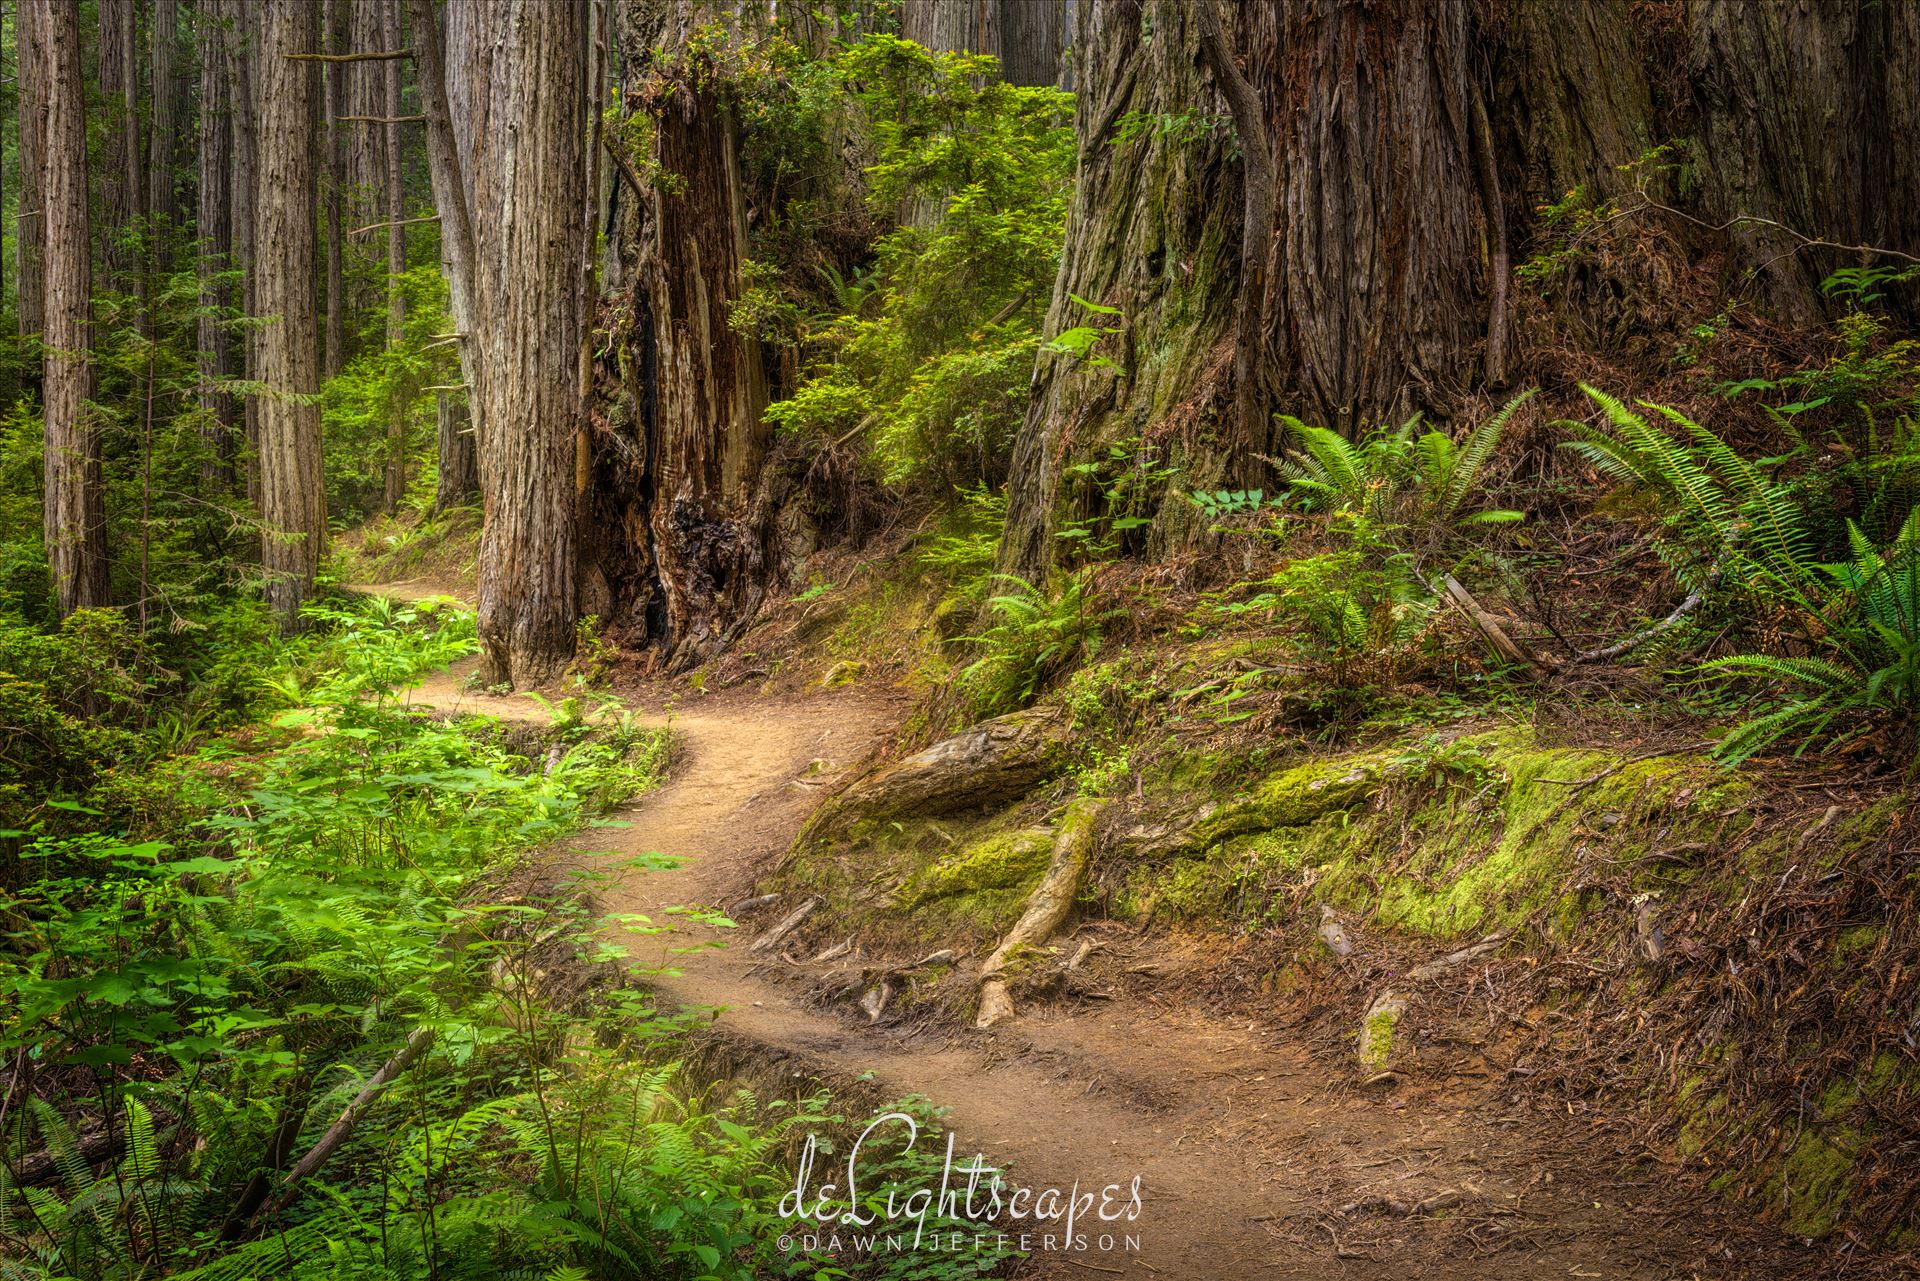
(1255, 1160)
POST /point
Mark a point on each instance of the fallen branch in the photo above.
(1046, 910)
(1508, 648)
(322, 1151)
(1454, 960)
(1654, 631)
(403, 222)
(382, 120)
(383, 55)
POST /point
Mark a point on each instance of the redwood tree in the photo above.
(29, 227)
(510, 203)
(293, 507)
(214, 221)
(74, 503)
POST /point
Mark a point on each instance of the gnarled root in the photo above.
(1046, 910)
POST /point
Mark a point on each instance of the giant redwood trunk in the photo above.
(30, 225)
(293, 504)
(1153, 230)
(121, 178)
(510, 201)
(242, 25)
(1391, 158)
(74, 503)
(681, 559)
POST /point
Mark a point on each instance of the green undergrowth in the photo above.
(195, 990)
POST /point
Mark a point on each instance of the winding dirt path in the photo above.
(1255, 1161)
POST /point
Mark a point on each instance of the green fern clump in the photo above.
(1847, 657)
(1036, 636)
(1394, 475)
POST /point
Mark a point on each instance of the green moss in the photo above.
(1002, 861)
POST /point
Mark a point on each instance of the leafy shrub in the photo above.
(931, 356)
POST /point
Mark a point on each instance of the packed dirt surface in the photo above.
(1255, 1159)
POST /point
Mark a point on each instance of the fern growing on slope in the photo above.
(1852, 627)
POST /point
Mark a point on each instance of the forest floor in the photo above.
(1256, 1158)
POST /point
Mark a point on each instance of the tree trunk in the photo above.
(29, 226)
(685, 550)
(396, 478)
(242, 61)
(1153, 230)
(334, 19)
(1807, 120)
(523, 184)
(120, 181)
(74, 504)
(163, 212)
(214, 220)
(459, 477)
(292, 487)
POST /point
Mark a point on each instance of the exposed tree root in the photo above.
(1046, 910)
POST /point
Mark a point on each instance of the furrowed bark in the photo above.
(292, 486)
(31, 223)
(522, 67)
(213, 344)
(74, 503)
(396, 478)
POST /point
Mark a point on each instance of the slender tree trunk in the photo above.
(120, 182)
(396, 479)
(292, 486)
(336, 143)
(162, 132)
(74, 504)
(32, 218)
(214, 218)
(459, 478)
(523, 180)
(242, 60)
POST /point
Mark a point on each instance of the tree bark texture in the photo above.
(396, 477)
(1410, 145)
(243, 35)
(522, 178)
(293, 507)
(459, 479)
(214, 220)
(333, 19)
(162, 130)
(681, 558)
(74, 502)
(1153, 230)
(1809, 112)
(31, 223)
(120, 180)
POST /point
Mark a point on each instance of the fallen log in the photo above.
(318, 1155)
(1047, 909)
(996, 761)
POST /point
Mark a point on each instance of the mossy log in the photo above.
(991, 763)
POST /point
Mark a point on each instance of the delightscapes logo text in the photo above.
(969, 1206)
